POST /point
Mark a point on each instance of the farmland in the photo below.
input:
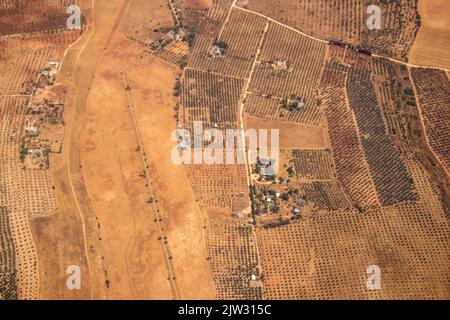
(354, 172)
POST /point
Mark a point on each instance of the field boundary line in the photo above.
(215, 73)
(409, 64)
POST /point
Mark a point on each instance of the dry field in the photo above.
(116, 192)
(432, 44)
(198, 4)
(86, 170)
(292, 135)
(182, 218)
(138, 25)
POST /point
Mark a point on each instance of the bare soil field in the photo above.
(198, 4)
(182, 218)
(144, 20)
(77, 74)
(131, 265)
(130, 239)
(292, 135)
(432, 44)
(60, 243)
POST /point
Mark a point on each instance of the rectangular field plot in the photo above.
(400, 22)
(326, 195)
(21, 67)
(314, 164)
(7, 4)
(211, 98)
(348, 153)
(233, 256)
(272, 109)
(292, 135)
(221, 186)
(175, 52)
(262, 107)
(12, 107)
(301, 59)
(241, 36)
(390, 175)
(14, 196)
